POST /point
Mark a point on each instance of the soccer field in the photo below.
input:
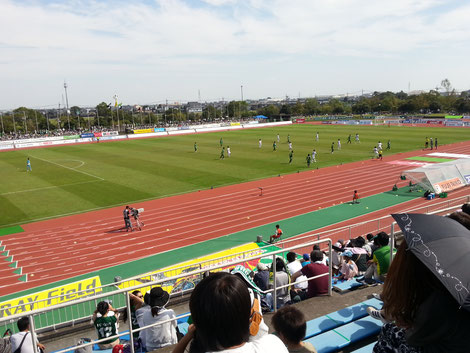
(77, 178)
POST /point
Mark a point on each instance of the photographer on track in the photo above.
(135, 214)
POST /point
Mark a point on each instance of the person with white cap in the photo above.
(348, 268)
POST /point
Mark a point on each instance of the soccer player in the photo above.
(357, 138)
(355, 197)
(274, 145)
(28, 165)
(426, 143)
(276, 235)
(222, 153)
(290, 145)
(260, 143)
(309, 160)
(389, 145)
(288, 138)
(435, 143)
(229, 153)
(349, 138)
(376, 152)
(278, 138)
(221, 142)
(291, 156)
(431, 143)
(317, 137)
(339, 144)
(332, 147)
(380, 154)
(314, 155)
(379, 145)
(195, 147)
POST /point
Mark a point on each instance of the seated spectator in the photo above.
(369, 245)
(348, 268)
(261, 277)
(222, 314)
(160, 335)
(317, 286)
(427, 319)
(282, 279)
(336, 251)
(325, 257)
(134, 302)
(293, 265)
(105, 319)
(466, 208)
(461, 217)
(378, 266)
(23, 340)
(360, 255)
(290, 326)
(305, 260)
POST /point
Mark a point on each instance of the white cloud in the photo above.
(171, 48)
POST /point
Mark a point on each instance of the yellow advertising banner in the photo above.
(142, 131)
(47, 298)
(235, 124)
(189, 282)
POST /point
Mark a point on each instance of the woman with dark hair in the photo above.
(105, 321)
(221, 312)
(157, 336)
(427, 319)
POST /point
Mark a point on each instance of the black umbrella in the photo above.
(443, 245)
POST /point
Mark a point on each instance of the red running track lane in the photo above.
(65, 247)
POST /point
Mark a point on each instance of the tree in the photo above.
(103, 109)
(270, 111)
(75, 111)
(445, 83)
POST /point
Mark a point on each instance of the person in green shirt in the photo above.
(288, 138)
(274, 146)
(195, 147)
(221, 142)
(378, 266)
(332, 147)
(105, 321)
(349, 138)
(291, 156)
(222, 153)
(309, 160)
(389, 145)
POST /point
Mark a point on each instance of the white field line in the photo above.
(48, 187)
(69, 168)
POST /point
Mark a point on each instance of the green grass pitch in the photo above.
(77, 178)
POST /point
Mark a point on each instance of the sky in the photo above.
(148, 51)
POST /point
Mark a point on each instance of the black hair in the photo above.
(220, 307)
(291, 256)
(316, 255)
(290, 322)
(124, 312)
(102, 307)
(360, 242)
(461, 217)
(23, 323)
(382, 239)
(466, 208)
(277, 225)
(369, 236)
(280, 265)
(316, 247)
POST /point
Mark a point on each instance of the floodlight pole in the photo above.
(25, 126)
(3, 130)
(36, 116)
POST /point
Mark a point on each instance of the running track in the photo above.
(61, 248)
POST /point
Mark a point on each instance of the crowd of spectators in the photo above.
(51, 133)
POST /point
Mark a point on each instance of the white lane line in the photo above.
(69, 168)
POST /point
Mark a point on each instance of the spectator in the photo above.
(221, 310)
(294, 266)
(23, 338)
(461, 217)
(160, 335)
(348, 268)
(5, 344)
(360, 254)
(282, 279)
(261, 278)
(134, 302)
(427, 318)
(466, 208)
(378, 266)
(105, 320)
(325, 257)
(291, 327)
(305, 260)
(317, 286)
(337, 248)
(368, 246)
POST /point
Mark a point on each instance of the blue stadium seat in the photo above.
(360, 329)
(365, 349)
(327, 342)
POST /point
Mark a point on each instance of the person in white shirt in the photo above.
(278, 138)
(160, 335)
(314, 156)
(290, 146)
(376, 152)
(229, 152)
(24, 336)
(260, 143)
(339, 144)
(224, 320)
(379, 145)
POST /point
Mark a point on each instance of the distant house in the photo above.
(194, 107)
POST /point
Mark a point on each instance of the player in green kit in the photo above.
(349, 138)
(332, 147)
(274, 145)
(195, 147)
(288, 138)
(309, 160)
(222, 153)
(291, 156)
(221, 142)
(389, 145)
